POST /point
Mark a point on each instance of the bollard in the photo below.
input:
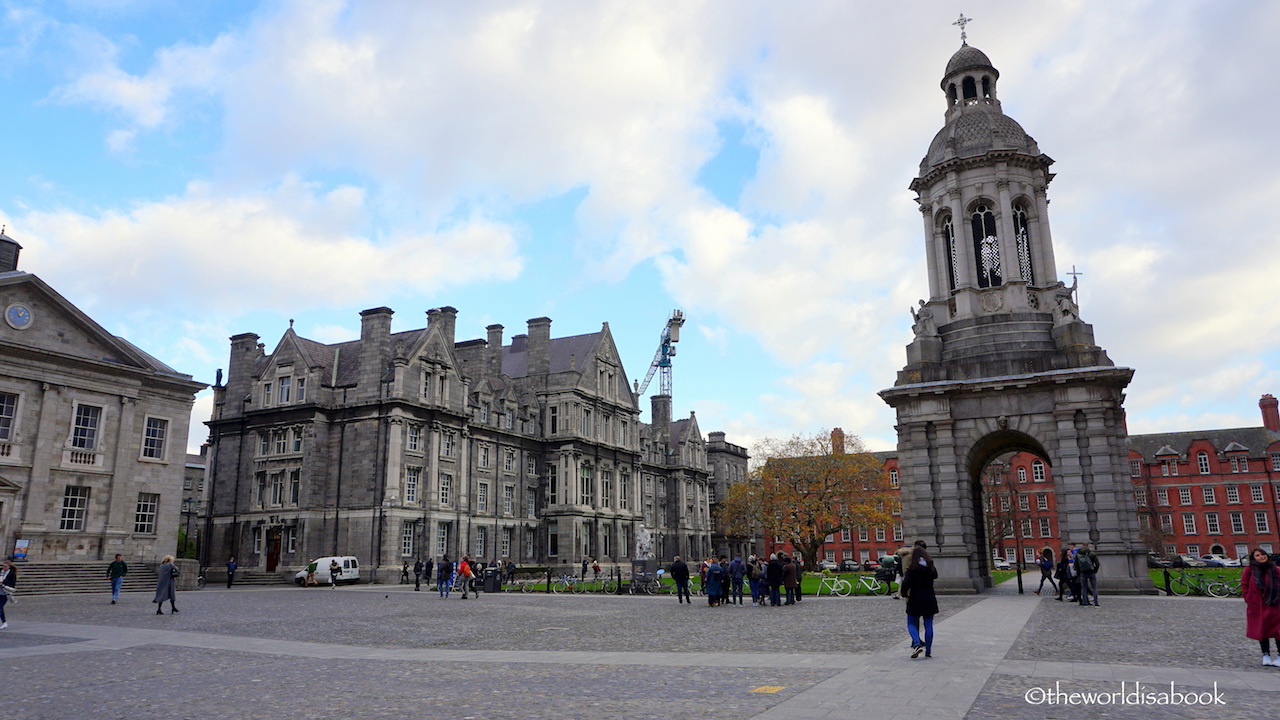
(1168, 587)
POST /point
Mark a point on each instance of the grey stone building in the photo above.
(92, 432)
(728, 467)
(408, 444)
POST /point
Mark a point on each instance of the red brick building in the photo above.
(1197, 492)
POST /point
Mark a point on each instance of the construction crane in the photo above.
(661, 364)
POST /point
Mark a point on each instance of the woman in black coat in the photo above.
(922, 603)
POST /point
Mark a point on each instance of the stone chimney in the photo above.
(244, 356)
(837, 442)
(519, 343)
(449, 324)
(539, 346)
(9, 250)
(660, 414)
(375, 348)
(1270, 412)
(493, 351)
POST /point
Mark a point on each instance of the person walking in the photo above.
(231, 570)
(417, 575)
(1063, 574)
(404, 573)
(311, 574)
(1087, 567)
(789, 580)
(774, 575)
(427, 566)
(166, 585)
(1046, 569)
(1260, 588)
(115, 573)
(8, 583)
(680, 575)
(465, 573)
(901, 557)
(922, 602)
(335, 572)
(444, 576)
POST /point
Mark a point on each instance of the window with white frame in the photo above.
(8, 415)
(1188, 523)
(1024, 502)
(406, 538)
(482, 497)
(281, 442)
(446, 445)
(1202, 462)
(1037, 471)
(1256, 494)
(446, 488)
(1166, 523)
(508, 499)
(509, 460)
(484, 413)
(75, 503)
(1275, 461)
(862, 533)
(1211, 525)
(1237, 523)
(1233, 494)
(295, 487)
(84, 433)
(530, 467)
(286, 389)
(442, 538)
(257, 540)
(530, 503)
(1210, 495)
(412, 476)
(260, 489)
(414, 441)
(144, 515)
(893, 477)
(606, 488)
(879, 534)
(1144, 521)
(1193, 549)
(844, 535)
(482, 541)
(1022, 475)
(624, 490)
(1184, 495)
(1042, 501)
(302, 397)
(1162, 496)
(1026, 527)
(1135, 468)
(1045, 528)
(291, 532)
(586, 486)
(266, 395)
(264, 443)
(484, 456)
(897, 532)
(296, 445)
(1140, 497)
(586, 422)
(277, 488)
(506, 542)
(153, 437)
(528, 541)
(1260, 520)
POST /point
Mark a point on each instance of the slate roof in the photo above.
(515, 363)
(1256, 439)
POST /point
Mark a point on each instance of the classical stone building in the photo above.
(728, 466)
(1001, 361)
(407, 444)
(92, 432)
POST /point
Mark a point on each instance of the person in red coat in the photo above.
(1260, 586)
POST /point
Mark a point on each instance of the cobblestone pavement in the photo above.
(386, 651)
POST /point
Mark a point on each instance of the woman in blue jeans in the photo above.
(922, 603)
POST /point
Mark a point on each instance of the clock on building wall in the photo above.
(19, 316)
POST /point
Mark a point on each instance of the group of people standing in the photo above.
(1076, 572)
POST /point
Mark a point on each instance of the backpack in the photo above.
(1084, 563)
(1045, 564)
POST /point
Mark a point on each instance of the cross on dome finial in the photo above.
(964, 39)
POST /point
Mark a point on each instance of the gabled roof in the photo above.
(575, 350)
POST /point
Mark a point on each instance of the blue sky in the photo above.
(186, 171)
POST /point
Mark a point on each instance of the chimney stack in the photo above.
(375, 348)
(1270, 412)
(837, 442)
(539, 346)
(660, 413)
(493, 351)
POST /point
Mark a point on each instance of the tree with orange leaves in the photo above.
(803, 489)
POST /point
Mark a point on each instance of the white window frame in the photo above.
(1184, 496)
(1189, 524)
(482, 497)
(1202, 461)
(1211, 524)
(412, 480)
(10, 414)
(155, 446)
(145, 513)
(408, 535)
(75, 508)
(1046, 528)
(446, 488)
(88, 440)
(1037, 471)
(1209, 494)
(1261, 521)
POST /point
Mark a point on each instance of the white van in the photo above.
(349, 564)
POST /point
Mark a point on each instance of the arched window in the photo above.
(1022, 475)
(951, 94)
(1022, 234)
(986, 246)
(1037, 471)
(969, 88)
(1202, 459)
(953, 256)
(986, 87)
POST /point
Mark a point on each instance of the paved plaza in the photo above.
(386, 651)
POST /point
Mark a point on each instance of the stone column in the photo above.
(1042, 240)
(45, 446)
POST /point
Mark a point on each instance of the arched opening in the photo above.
(969, 88)
(1015, 510)
(986, 246)
(986, 87)
(951, 94)
(1022, 238)
(1216, 549)
(953, 257)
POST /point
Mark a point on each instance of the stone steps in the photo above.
(57, 578)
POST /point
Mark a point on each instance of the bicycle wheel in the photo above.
(1180, 586)
(526, 586)
(561, 586)
(610, 586)
(879, 588)
(579, 587)
(1219, 589)
(200, 582)
(842, 588)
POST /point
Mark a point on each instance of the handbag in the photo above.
(173, 572)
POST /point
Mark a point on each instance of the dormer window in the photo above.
(285, 389)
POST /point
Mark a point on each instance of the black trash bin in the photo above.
(492, 580)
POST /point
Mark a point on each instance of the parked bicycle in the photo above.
(646, 583)
(1185, 583)
(567, 583)
(200, 579)
(872, 585)
(834, 585)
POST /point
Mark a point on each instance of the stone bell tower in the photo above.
(1001, 360)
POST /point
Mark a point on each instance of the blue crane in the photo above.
(662, 360)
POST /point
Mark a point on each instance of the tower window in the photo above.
(1022, 233)
(953, 257)
(970, 90)
(986, 87)
(951, 94)
(986, 246)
